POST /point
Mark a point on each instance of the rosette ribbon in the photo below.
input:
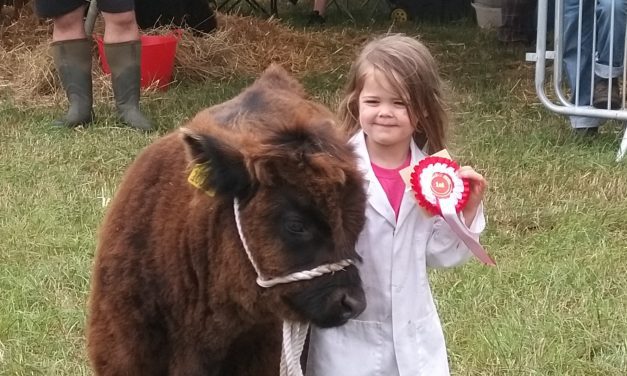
(440, 191)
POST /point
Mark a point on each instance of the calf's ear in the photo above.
(276, 77)
(223, 168)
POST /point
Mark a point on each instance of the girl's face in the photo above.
(383, 114)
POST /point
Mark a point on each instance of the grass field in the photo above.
(556, 304)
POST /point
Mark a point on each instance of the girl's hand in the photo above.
(478, 186)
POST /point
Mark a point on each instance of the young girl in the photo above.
(395, 112)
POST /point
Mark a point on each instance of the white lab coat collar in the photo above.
(376, 195)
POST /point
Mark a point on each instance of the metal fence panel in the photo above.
(592, 34)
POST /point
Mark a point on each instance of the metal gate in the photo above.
(580, 37)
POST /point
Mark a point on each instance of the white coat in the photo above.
(399, 333)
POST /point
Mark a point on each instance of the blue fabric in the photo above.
(604, 40)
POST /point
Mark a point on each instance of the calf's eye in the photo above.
(296, 227)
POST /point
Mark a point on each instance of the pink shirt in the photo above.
(392, 183)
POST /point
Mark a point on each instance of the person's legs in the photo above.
(55, 8)
(71, 53)
(123, 50)
(578, 57)
(611, 15)
(69, 26)
(317, 15)
(320, 6)
(518, 21)
(72, 59)
(120, 27)
(575, 52)
(608, 42)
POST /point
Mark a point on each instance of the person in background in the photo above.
(518, 21)
(395, 112)
(610, 39)
(71, 52)
(317, 15)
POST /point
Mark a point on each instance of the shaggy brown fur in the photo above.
(173, 292)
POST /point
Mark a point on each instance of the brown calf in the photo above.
(173, 291)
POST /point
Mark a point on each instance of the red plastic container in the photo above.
(157, 58)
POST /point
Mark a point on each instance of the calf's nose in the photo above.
(352, 305)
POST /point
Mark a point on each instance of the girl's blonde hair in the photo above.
(411, 70)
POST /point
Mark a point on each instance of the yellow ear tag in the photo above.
(197, 178)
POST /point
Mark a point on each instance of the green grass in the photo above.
(556, 304)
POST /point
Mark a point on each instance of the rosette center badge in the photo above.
(439, 190)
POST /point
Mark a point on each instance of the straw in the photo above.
(240, 47)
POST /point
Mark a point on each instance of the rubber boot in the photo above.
(124, 62)
(72, 59)
(601, 89)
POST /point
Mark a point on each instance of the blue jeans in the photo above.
(604, 39)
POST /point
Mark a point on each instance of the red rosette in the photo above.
(444, 184)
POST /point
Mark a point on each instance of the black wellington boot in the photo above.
(124, 61)
(72, 59)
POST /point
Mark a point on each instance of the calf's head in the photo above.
(300, 204)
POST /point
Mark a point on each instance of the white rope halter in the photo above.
(297, 276)
(294, 333)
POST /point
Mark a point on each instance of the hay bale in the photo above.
(242, 46)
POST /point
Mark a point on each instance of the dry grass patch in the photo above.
(242, 46)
